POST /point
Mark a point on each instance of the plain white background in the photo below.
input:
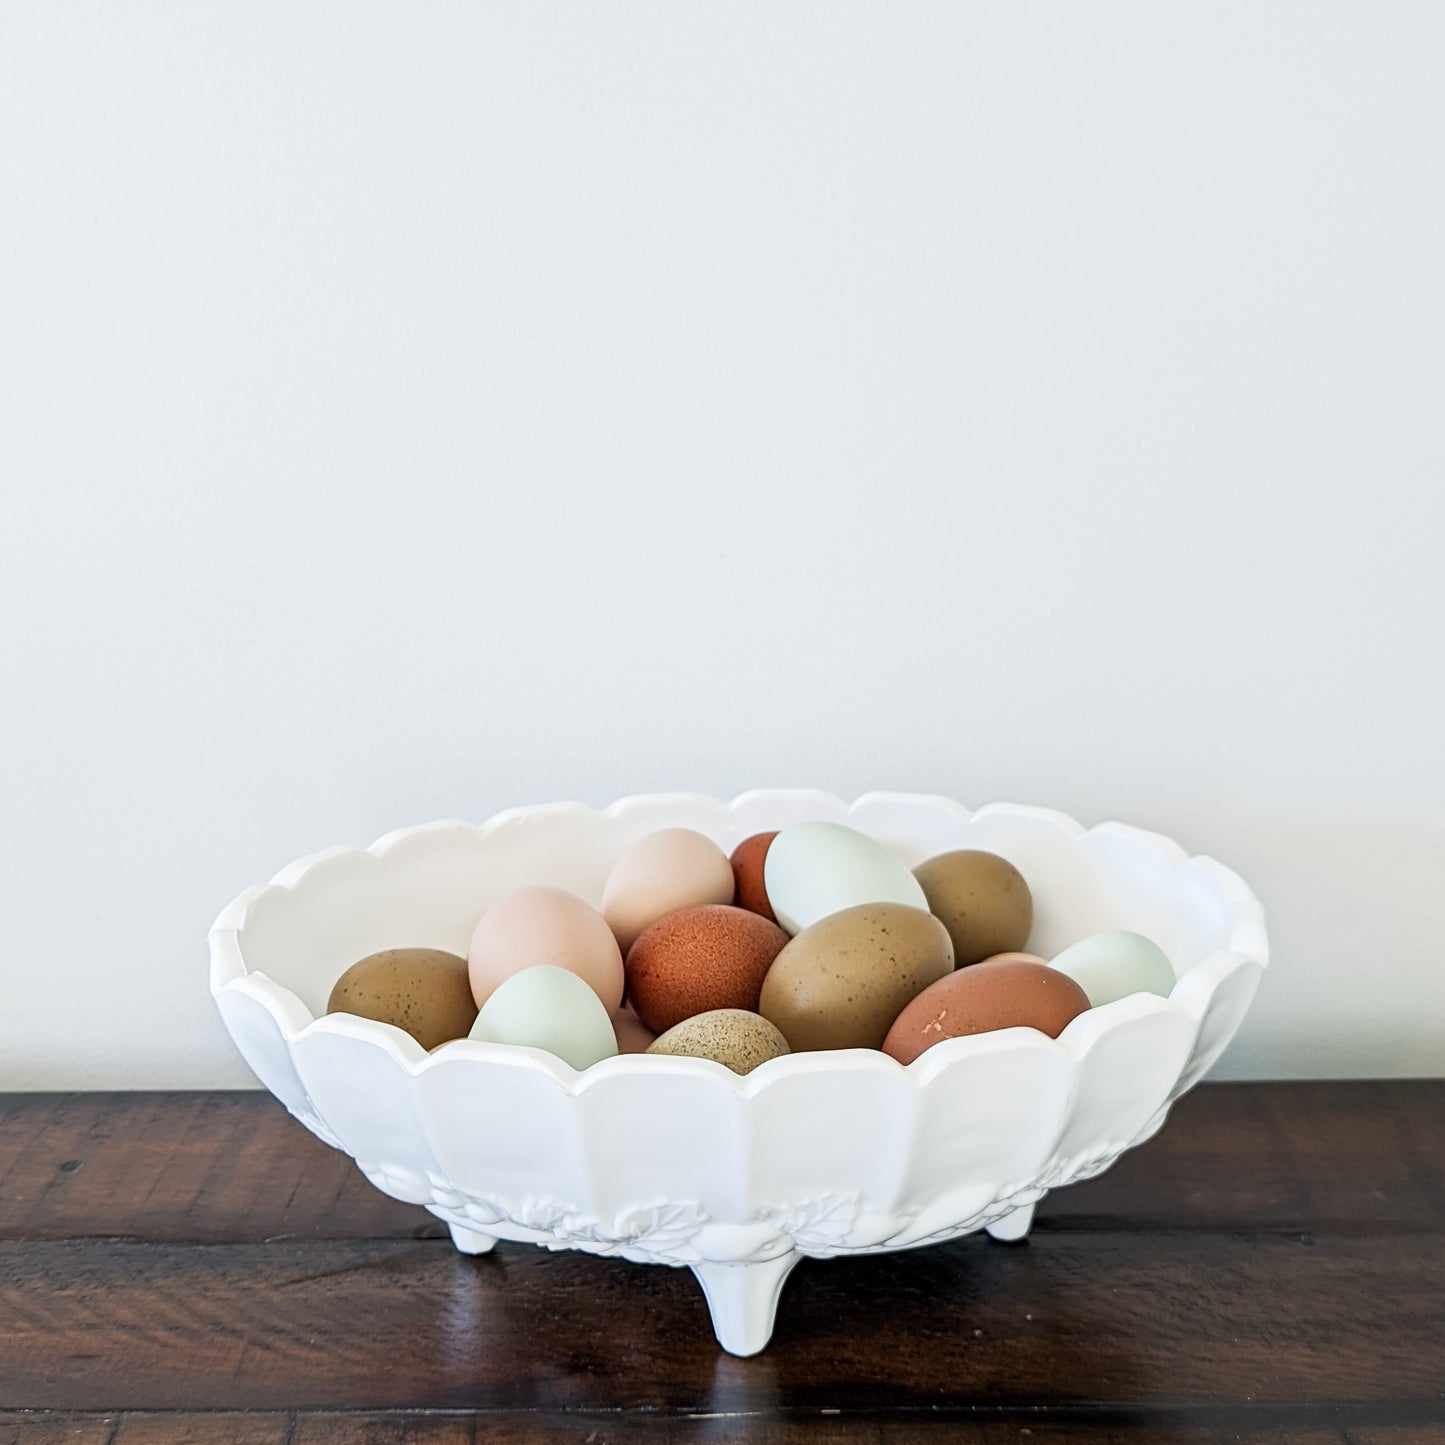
(410, 410)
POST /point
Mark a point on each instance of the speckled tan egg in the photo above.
(995, 994)
(700, 959)
(842, 982)
(422, 990)
(747, 861)
(661, 872)
(633, 1036)
(730, 1036)
(981, 899)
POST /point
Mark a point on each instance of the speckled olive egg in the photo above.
(981, 899)
(996, 994)
(814, 869)
(750, 891)
(548, 1008)
(538, 925)
(633, 1036)
(730, 1036)
(663, 871)
(1110, 966)
(421, 990)
(842, 982)
(700, 959)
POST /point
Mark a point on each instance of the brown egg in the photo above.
(698, 959)
(422, 990)
(982, 900)
(995, 994)
(842, 982)
(730, 1036)
(633, 1036)
(747, 860)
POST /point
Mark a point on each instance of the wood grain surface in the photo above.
(196, 1267)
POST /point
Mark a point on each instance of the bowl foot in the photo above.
(743, 1300)
(1014, 1225)
(471, 1241)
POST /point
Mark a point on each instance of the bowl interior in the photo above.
(428, 886)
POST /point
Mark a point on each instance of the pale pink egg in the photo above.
(544, 925)
(633, 1036)
(660, 873)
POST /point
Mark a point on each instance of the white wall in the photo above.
(408, 410)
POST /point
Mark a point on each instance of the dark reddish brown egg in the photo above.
(747, 860)
(699, 959)
(995, 994)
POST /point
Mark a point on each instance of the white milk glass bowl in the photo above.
(678, 1161)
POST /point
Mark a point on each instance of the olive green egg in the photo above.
(981, 899)
(424, 991)
(840, 983)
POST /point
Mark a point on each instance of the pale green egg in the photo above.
(1109, 966)
(549, 1008)
(813, 870)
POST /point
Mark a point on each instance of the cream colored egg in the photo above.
(663, 871)
(538, 925)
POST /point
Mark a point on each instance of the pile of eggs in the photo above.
(814, 937)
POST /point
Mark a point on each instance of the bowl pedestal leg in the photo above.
(743, 1300)
(471, 1241)
(1014, 1225)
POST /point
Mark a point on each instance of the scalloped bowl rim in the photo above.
(1188, 1000)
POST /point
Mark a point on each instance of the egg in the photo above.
(660, 873)
(551, 1008)
(700, 959)
(1109, 966)
(537, 925)
(747, 861)
(814, 869)
(842, 982)
(735, 1037)
(982, 899)
(633, 1036)
(997, 994)
(421, 990)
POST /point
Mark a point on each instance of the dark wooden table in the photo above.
(196, 1267)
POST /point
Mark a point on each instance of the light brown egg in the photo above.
(996, 994)
(730, 1036)
(842, 982)
(633, 1036)
(421, 990)
(661, 872)
(700, 959)
(981, 899)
